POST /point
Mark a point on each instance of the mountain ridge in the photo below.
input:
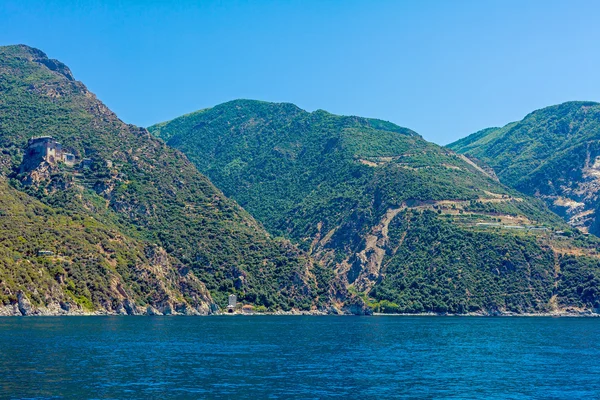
(138, 186)
(360, 214)
(551, 154)
(367, 202)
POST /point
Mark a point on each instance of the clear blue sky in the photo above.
(443, 68)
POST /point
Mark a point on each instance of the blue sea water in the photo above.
(307, 357)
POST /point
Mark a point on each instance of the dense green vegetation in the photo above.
(551, 153)
(295, 171)
(406, 225)
(389, 220)
(140, 187)
(440, 268)
(90, 264)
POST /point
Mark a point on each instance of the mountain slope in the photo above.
(89, 266)
(136, 185)
(404, 224)
(553, 153)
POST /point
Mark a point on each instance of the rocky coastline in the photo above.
(24, 308)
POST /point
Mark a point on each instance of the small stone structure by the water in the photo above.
(232, 303)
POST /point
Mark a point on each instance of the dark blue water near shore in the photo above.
(299, 357)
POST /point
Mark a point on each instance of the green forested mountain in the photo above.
(404, 224)
(359, 211)
(153, 224)
(553, 154)
(90, 266)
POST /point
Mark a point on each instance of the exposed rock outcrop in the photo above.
(24, 304)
